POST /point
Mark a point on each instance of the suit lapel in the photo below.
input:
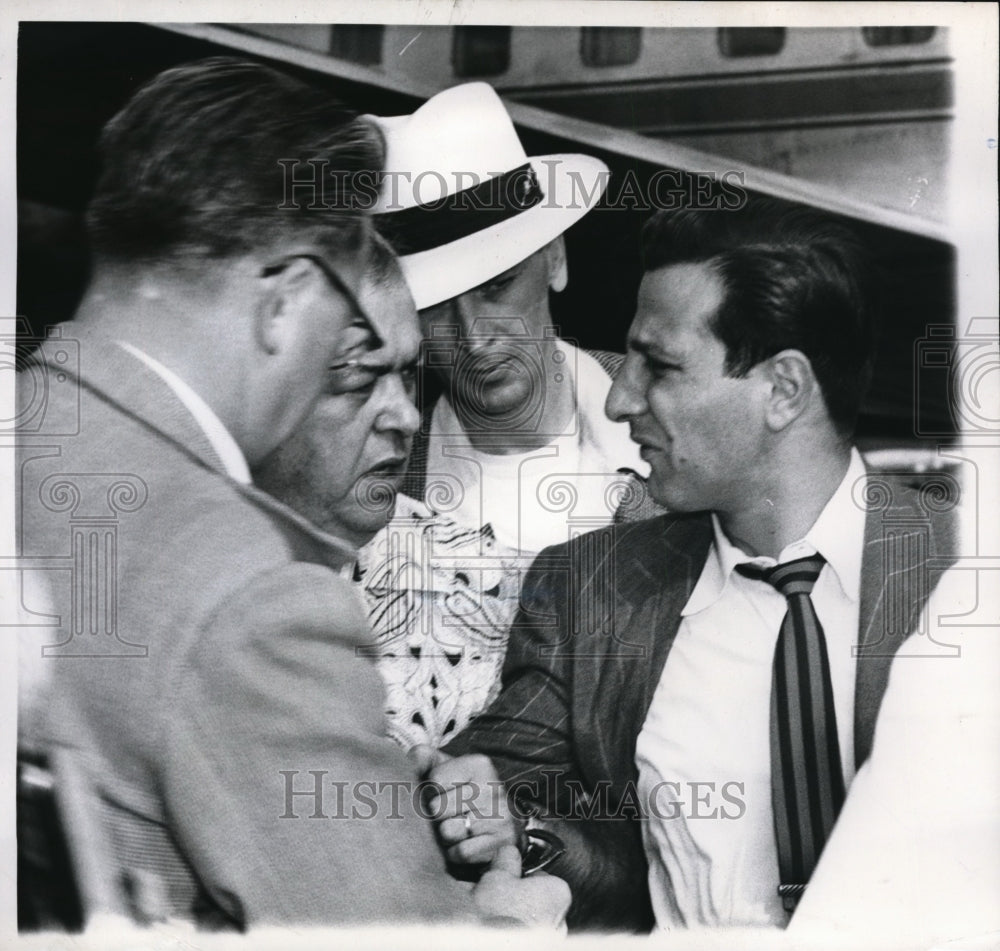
(895, 585)
(657, 563)
(873, 658)
(686, 546)
(123, 381)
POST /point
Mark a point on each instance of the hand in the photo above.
(541, 900)
(424, 757)
(474, 821)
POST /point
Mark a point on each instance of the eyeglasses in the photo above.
(361, 316)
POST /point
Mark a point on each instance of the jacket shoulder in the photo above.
(653, 539)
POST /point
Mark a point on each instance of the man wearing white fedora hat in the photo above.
(514, 433)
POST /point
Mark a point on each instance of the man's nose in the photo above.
(480, 325)
(462, 314)
(397, 411)
(626, 398)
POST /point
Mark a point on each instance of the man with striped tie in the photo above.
(716, 672)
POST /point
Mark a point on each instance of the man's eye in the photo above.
(498, 285)
(350, 380)
(439, 313)
(661, 367)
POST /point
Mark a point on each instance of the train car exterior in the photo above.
(865, 109)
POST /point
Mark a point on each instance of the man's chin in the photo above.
(360, 526)
(376, 491)
(666, 493)
(658, 495)
(374, 500)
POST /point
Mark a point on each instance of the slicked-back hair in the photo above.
(793, 279)
(191, 166)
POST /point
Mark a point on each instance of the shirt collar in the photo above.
(837, 534)
(226, 448)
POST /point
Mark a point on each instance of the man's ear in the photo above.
(793, 387)
(555, 256)
(286, 296)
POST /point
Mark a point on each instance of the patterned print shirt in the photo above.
(440, 601)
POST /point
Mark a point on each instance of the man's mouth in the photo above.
(491, 367)
(643, 443)
(497, 367)
(390, 468)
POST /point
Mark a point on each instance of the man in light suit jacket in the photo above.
(512, 415)
(634, 720)
(205, 681)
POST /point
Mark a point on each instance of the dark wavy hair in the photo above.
(793, 279)
(191, 165)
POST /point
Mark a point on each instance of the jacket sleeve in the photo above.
(281, 787)
(528, 733)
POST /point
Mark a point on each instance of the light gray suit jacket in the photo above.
(205, 662)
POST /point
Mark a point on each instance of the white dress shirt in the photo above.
(716, 863)
(226, 448)
(543, 496)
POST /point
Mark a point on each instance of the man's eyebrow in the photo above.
(650, 348)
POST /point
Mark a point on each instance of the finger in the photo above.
(470, 826)
(472, 767)
(508, 860)
(480, 850)
(458, 828)
(483, 802)
(448, 803)
(557, 897)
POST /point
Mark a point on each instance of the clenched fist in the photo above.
(473, 818)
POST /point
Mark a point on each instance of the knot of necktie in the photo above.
(790, 577)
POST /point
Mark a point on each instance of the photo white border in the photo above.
(973, 40)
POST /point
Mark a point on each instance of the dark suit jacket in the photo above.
(588, 646)
(206, 643)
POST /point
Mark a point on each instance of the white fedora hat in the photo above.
(461, 200)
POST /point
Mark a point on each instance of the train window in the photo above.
(897, 35)
(480, 50)
(750, 40)
(610, 45)
(358, 43)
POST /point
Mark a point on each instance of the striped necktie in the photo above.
(807, 781)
